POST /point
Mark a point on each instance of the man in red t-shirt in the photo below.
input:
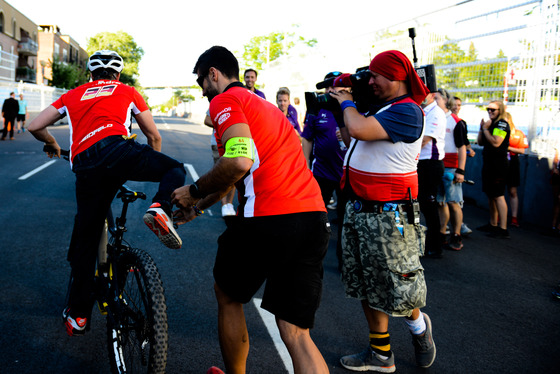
(281, 232)
(103, 156)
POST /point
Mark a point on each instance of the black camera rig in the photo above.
(361, 90)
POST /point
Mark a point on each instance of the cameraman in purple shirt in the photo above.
(325, 155)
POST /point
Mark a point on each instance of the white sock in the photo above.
(416, 326)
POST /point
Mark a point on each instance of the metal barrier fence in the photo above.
(498, 50)
(37, 97)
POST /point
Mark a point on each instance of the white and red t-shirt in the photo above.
(97, 110)
(435, 128)
(455, 137)
(384, 170)
(279, 181)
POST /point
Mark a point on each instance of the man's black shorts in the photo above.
(285, 250)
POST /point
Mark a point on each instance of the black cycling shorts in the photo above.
(286, 251)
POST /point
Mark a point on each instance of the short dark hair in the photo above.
(248, 70)
(220, 58)
(104, 74)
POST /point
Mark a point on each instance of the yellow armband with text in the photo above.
(239, 147)
(499, 132)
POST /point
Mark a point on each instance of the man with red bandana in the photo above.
(382, 240)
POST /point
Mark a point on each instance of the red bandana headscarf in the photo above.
(394, 65)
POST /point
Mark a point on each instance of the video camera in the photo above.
(361, 90)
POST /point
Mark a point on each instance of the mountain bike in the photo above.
(130, 293)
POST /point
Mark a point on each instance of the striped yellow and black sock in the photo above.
(380, 343)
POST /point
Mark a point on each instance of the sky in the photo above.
(173, 33)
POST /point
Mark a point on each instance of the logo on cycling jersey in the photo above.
(95, 132)
(98, 91)
(223, 118)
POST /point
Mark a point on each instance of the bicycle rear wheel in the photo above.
(137, 324)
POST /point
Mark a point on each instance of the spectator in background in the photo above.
(22, 114)
(450, 194)
(494, 137)
(517, 145)
(555, 182)
(10, 109)
(320, 144)
(455, 108)
(297, 106)
(227, 201)
(430, 173)
(250, 77)
(283, 102)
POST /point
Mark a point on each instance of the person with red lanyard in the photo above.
(104, 155)
(382, 239)
(281, 232)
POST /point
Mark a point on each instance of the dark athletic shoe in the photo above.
(424, 346)
(368, 360)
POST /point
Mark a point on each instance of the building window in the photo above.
(1, 22)
(14, 29)
(56, 49)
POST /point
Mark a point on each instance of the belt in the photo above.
(367, 206)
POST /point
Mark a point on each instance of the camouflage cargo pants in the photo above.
(381, 265)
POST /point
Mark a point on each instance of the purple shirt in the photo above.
(293, 118)
(260, 93)
(328, 158)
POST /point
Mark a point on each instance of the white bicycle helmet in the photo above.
(105, 59)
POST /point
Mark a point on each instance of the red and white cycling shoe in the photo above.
(74, 326)
(162, 225)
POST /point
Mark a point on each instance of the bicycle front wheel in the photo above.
(137, 324)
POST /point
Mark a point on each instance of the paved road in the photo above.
(490, 303)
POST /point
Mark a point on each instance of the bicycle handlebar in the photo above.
(63, 152)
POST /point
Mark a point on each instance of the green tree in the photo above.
(179, 95)
(124, 44)
(266, 48)
(67, 75)
(449, 54)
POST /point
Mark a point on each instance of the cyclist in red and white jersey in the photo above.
(104, 155)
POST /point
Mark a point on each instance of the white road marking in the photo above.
(165, 124)
(192, 172)
(36, 170)
(270, 323)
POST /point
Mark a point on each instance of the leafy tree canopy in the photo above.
(264, 49)
(124, 44)
(66, 75)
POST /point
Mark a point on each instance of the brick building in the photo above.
(18, 45)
